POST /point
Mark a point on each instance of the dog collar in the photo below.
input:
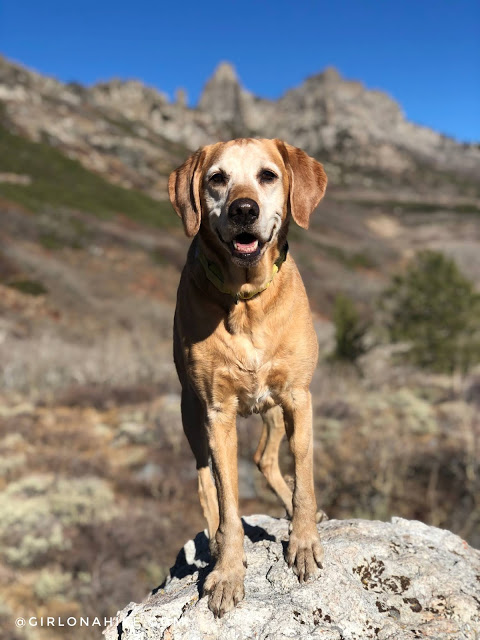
(214, 274)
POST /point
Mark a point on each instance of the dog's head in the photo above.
(241, 193)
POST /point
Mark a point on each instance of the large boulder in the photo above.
(398, 580)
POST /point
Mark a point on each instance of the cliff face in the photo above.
(134, 135)
(400, 580)
(340, 119)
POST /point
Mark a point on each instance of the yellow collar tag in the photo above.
(215, 276)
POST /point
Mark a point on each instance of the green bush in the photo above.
(59, 181)
(349, 330)
(435, 308)
(30, 287)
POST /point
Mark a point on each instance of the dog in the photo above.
(244, 340)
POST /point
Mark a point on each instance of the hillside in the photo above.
(96, 489)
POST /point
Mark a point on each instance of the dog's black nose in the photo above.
(243, 211)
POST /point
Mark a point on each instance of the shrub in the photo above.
(30, 287)
(40, 511)
(349, 330)
(435, 308)
(61, 182)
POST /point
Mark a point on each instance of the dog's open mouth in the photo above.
(246, 245)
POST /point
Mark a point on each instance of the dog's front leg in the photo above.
(305, 551)
(225, 583)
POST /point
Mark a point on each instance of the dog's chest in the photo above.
(250, 366)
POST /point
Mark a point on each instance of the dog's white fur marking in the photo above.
(242, 166)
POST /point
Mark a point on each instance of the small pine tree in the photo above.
(435, 308)
(349, 330)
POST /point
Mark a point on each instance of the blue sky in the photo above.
(424, 53)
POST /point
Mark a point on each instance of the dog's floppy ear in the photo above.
(184, 192)
(307, 179)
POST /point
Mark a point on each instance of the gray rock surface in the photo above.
(399, 581)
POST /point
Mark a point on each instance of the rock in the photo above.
(223, 94)
(181, 97)
(399, 580)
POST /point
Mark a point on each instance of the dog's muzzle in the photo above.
(243, 213)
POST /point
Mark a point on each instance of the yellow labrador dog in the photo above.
(244, 340)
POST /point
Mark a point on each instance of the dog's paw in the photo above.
(305, 554)
(225, 589)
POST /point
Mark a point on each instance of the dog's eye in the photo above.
(217, 178)
(267, 176)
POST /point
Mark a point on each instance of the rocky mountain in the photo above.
(340, 119)
(133, 135)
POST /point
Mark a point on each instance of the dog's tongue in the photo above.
(246, 247)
